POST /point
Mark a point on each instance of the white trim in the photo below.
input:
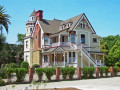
(89, 40)
(87, 22)
(85, 38)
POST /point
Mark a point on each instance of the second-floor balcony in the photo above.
(56, 44)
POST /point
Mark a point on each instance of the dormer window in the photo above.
(69, 24)
(63, 26)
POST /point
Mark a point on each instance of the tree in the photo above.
(20, 38)
(4, 19)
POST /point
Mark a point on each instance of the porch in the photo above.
(59, 57)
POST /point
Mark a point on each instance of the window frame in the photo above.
(82, 38)
(96, 40)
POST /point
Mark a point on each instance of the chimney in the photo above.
(39, 15)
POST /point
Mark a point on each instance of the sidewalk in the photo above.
(112, 83)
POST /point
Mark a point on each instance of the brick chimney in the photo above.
(39, 15)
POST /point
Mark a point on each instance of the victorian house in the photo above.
(72, 42)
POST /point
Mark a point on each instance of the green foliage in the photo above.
(64, 72)
(24, 64)
(39, 72)
(35, 66)
(49, 72)
(2, 82)
(91, 71)
(85, 72)
(20, 74)
(115, 70)
(3, 71)
(12, 65)
(88, 71)
(106, 71)
(111, 46)
(102, 70)
(67, 71)
(71, 72)
(21, 38)
(9, 71)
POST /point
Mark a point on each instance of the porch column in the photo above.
(81, 59)
(59, 39)
(64, 59)
(103, 60)
(95, 56)
(48, 58)
(67, 57)
(42, 58)
(77, 58)
(54, 58)
(89, 60)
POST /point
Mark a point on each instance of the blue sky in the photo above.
(104, 15)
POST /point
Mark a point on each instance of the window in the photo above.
(94, 40)
(82, 38)
(30, 30)
(63, 40)
(80, 25)
(46, 40)
(72, 38)
(26, 44)
(32, 18)
(45, 58)
(83, 25)
(71, 57)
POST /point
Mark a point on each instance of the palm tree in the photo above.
(4, 19)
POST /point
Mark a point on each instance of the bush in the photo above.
(39, 72)
(49, 72)
(71, 72)
(3, 71)
(64, 72)
(12, 65)
(102, 70)
(35, 66)
(20, 74)
(91, 71)
(24, 64)
(106, 71)
(9, 71)
(85, 72)
(115, 70)
(2, 82)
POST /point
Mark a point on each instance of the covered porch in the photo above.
(59, 57)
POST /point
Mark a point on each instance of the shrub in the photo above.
(9, 71)
(64, 72)
(12, 65)
(106, 71)
(3, 71)
(39, 72)
(35, 66)
(85, 72)
(20, 74)
(49, 72)
(91, 71)
(102, 70)
(24, 64)
(115, 70)
(71, 72)
(2, 82)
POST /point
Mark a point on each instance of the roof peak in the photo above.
(33, 13)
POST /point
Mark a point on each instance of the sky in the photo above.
(104, 15)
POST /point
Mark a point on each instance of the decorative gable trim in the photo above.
(84, 16)
(59, 49)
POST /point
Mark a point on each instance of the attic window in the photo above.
(63, 26)
(82, 25)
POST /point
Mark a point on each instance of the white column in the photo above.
(48, 59)
(59, 39)
(103, 60)
(95, 56)
(76, 39)
(77, 58)
(67, 57)
(54, 58)
(64, 59)
(89, 41)
(42, 58)
(89, 60)
(81, 60)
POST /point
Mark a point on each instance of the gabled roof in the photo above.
(50, 26)
(74, 21)
(33, 13)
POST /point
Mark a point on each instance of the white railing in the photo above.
(71, 59)
(65, 43)
(54, 44)
(88, 55)
(45, 64)
(59, 63)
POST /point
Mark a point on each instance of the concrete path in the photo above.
(89, 84)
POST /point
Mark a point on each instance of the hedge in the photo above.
(39, 72)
